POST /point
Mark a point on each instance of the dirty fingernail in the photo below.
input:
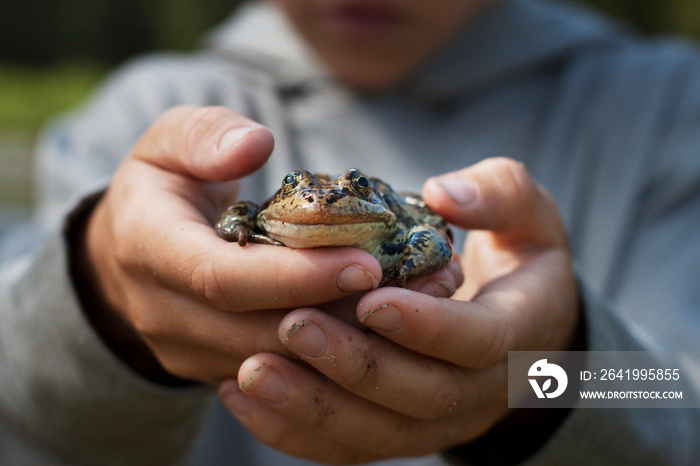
(306, 339)
(355, 278)
(267, 384)
(438, 288)
(240, 404)
(385, 318)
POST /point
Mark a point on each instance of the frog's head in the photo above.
(313, 211)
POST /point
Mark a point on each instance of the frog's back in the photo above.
(409, 208)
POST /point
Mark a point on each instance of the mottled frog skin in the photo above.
(314, 210)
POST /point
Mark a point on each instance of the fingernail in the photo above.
(438, 288)
(267, 384)
(233, 136)
(355, 278)
(228, 387)
(307, 339)
(235, 400)
(459, 190)
(386, 318)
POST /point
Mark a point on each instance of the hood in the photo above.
(509, 39)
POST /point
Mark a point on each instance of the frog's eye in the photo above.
(291, 181)
(361, 183)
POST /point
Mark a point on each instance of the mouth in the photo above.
(320, 235)
(360, 19)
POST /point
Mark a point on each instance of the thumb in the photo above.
(207, 143)
(498, 194)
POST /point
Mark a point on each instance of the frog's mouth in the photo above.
(296, 235)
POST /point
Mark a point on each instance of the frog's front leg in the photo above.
(238, 223)
(426, 251)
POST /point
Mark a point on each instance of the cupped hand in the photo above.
(432, 373)
(168, 295)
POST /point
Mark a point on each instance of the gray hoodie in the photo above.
(608, 122)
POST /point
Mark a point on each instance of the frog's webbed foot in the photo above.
(262, 239)
(237, 224)
(243, 235)
(236, 233)
(426, 251)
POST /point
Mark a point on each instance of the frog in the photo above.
(312, 210)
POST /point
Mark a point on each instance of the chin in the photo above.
(370, 82)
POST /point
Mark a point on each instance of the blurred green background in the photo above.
(53, 52)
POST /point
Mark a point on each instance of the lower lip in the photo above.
(360, 22)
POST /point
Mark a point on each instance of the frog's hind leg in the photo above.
(426, 252)
(242, 234)
(236, 233)
(237, 224)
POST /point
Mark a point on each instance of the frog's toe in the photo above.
(262, 239)
(241, 235)
(233, 232)
(391, 277)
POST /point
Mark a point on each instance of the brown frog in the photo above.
(313, 210)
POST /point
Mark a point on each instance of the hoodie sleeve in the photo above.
(64, 397)
(638, 252)
(584, 436)
(651, 302)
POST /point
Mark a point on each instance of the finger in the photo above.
(192, 260)
(208, 143)
(380, 371)
(260, 278)
(515, 312)
(497, 194)
(317, 404)
(463, 333)
(519, 264)
(442, 283)
(182, 249)
(283, 434)
(195, 342)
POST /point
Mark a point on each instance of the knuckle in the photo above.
(276, 435)
(176, 112)
(197, 122)
(195, 115)
(404, 439)
(364, 376)
(517, 169)
(521, 185)
(121, 215)
(215, 283)
(146, 322)
(515, 194)
(153, 329)
(178, 366)
(126, 254)
(441, 403)
(324, 415)
(294, 287)
(206, 283)
(498, 344)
